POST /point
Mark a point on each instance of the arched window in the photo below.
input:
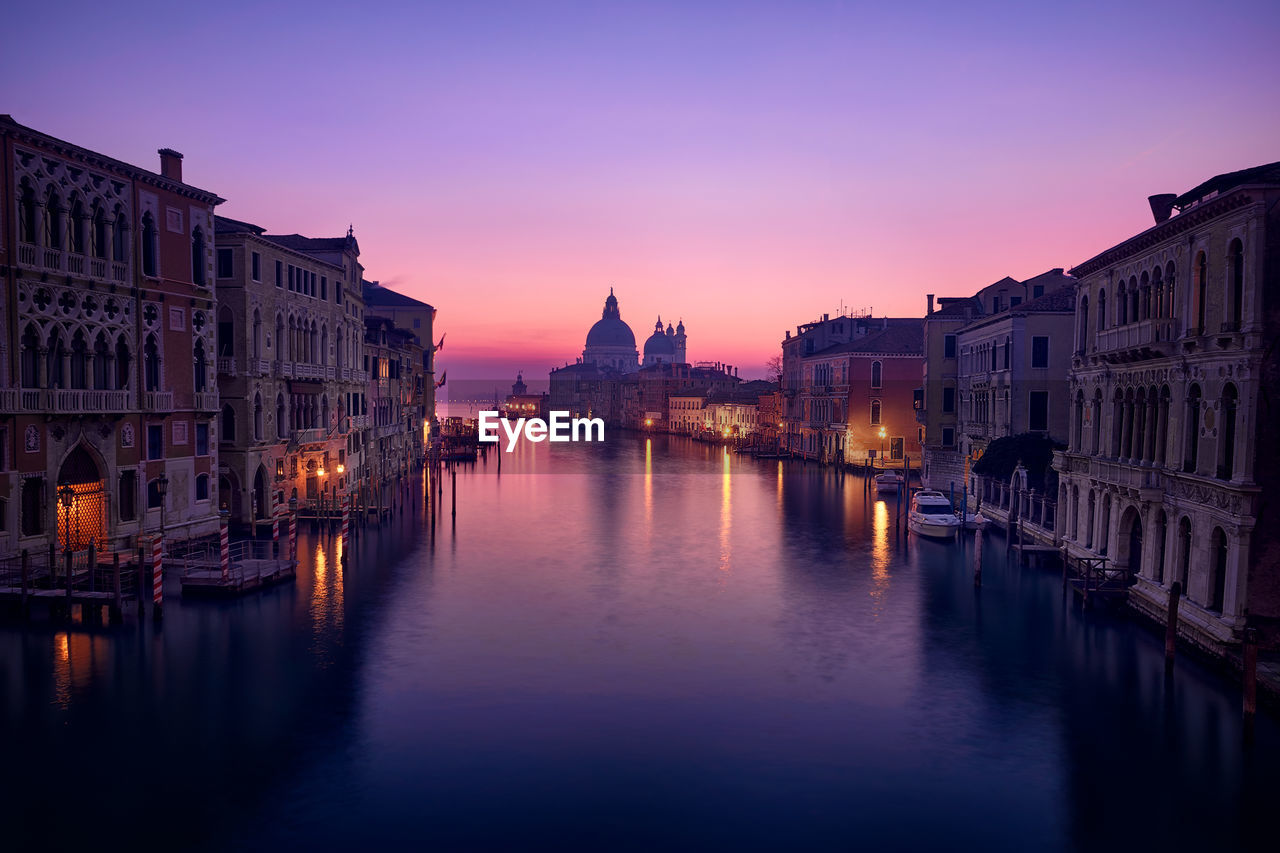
(279, 341)
(79, 361)
(1227, 431)
(1078, 443)
(1122, 305)
(198, 256)
(1088, 533)
(324, 344)
(1117, 424)
(281, 426)
(1157, 291)
(1008, 348)
(875, 412)
(1170, 280)
(1191, 446)
(98, 232)
(228, 423)
(149, 246)
(1237, 283)
(1184, 555)
(226, 333)
(122, 362)
(1096, 426)
(257, 416)
(1105, 530)
(1157, 567)
(877, 375)
(151, 364)
(101, 363)
(1075, 513)
(120, 237)
(257, 334)
(201, 367)
(1133, 299)
(1084, 323)
(30, 358)
(1102, 309)
(202, 487)
(1218, 565)
(52, 219)
(1144, 303)
(27, 218)
(324, 412)
(1202, 287)
(75, 227)
(54, 377)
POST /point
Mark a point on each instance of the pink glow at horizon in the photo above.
(744, 168)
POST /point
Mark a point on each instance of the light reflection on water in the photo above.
(651, 644)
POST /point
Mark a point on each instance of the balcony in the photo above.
(309, 436)
(226, 366)
(359, 421)
(56, 260)
(200, 401)
(1146, 338)
(157, 401)
(64, 401)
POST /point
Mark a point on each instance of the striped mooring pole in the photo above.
(293, 537)
(224, 544)
(275, 530)
(157, 575)
(346, 525)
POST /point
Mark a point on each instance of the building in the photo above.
(1169, 471)
(1011, 374)
(405, 312)
(398, 408)
(665, 347)
(937, 401)
(521, 404)
(290, 352)
(108, 405)
(611, 345)
(845, 381)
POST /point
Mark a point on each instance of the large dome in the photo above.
(660, 344)
(609, 330)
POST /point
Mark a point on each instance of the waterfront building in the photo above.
(688, 413)
(1170, 470)
(521, 404)
(646, 393)
(405, 312)
(848, 388)
(1011, 373)
(398, 407)
(107, 398)
(290, 362)
(938, 407)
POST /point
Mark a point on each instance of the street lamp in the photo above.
(65, 496)
(882, 435)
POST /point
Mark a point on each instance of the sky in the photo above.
(743, 167)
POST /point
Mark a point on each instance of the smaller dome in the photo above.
(659, 344)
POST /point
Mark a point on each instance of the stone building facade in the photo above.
(1171, 468)
(290, 353)
(106, 354)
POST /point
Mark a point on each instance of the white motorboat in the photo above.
(932, 516)
(889, 481)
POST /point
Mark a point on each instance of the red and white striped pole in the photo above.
(275, 530)
(225, 545)
(346, 524)
(293, 531)
(157, 575)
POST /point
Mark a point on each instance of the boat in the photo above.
(932, 515)
(889, 481)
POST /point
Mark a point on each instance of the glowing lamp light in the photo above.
(341, 468)
(320, 471)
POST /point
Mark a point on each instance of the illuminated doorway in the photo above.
(82, 514)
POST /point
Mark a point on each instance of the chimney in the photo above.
(929, 296)
(826, 317)
(1161, 206)
(170, 164)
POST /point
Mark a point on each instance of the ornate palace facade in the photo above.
(1170, 468)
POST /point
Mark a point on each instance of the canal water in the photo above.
(641, 645)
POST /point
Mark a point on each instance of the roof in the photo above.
(227, 225)
(308, 244)
(899, 338)
(1267, 174)
(960, 309)
(377, 295)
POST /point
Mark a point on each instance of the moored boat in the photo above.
(888, 481)
(932, 515)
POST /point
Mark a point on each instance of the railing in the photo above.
(64, 400)
(119, 271)
(1132, 335)
(52, 259)
(226, 366)
(98, 267)
(75, 264)
(206, 401)
(27, 254)
(306, 436)
(157, 401)
(359, 421)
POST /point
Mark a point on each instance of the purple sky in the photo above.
(745, 167)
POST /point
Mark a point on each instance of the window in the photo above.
(1237, 285)
(948, 399)
(1040, 351)
(1038, 411)
(32, 507)
(293, 275)
(1007, 347)
(949, 346)
(202, 487)
(324, 287)
(128, 496)
(877, 375)
(228, 423)
(948, 437)
(279, 274)
(226, 260)
(202, 439)
(875, 412)
(1015, 301)
(155, 441)
(1037, 290)
(896, 447)
(153, 494)
(148, 244)
(1102, 310)
(197, 256)
(255, 266)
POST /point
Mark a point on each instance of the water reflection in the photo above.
(576, 667)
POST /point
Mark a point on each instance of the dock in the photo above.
(252, 565)
(51, 582)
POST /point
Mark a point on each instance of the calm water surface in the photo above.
(650, 644)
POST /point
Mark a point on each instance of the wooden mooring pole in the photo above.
(977, 558)
(1250, 654)
(1171, 627)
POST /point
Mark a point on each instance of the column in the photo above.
(1162, 432)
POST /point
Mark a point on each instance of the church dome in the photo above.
(660, 343)
(609, 330)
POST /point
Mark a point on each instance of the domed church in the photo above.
(610, 343)
(665, 347)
